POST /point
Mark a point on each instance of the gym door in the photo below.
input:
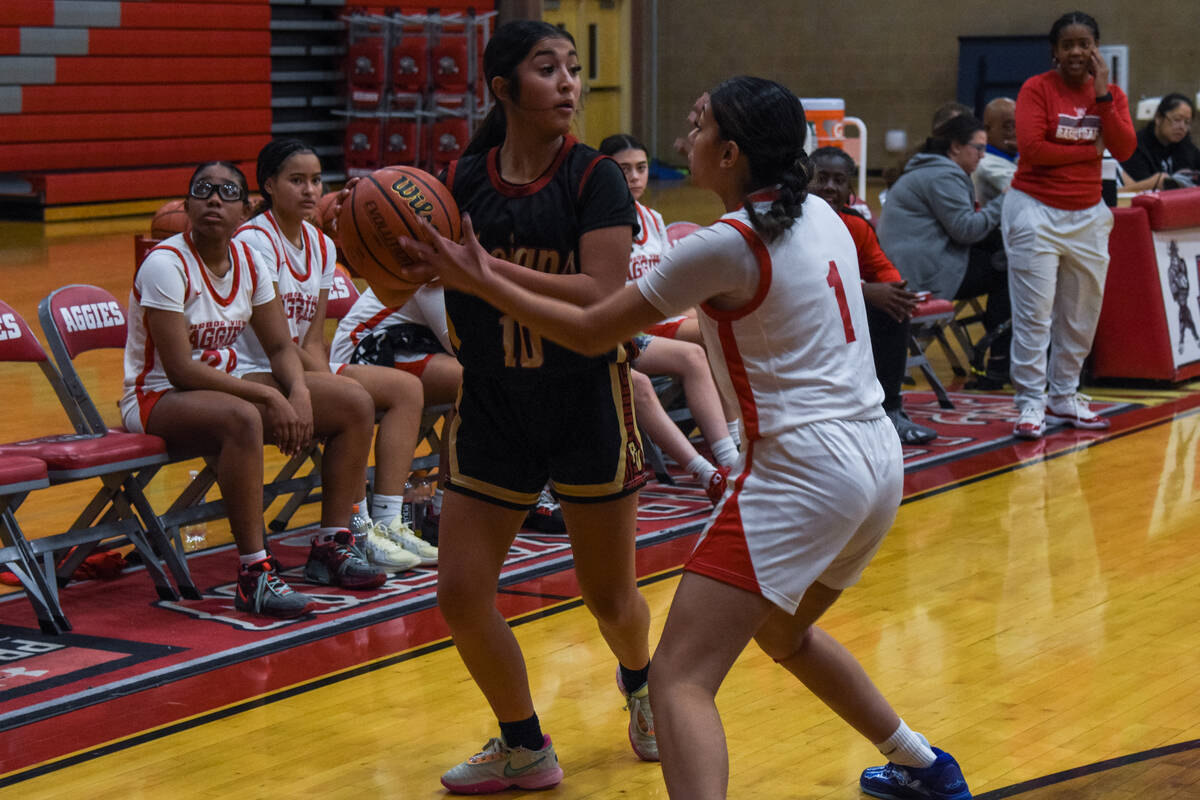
(600, 28)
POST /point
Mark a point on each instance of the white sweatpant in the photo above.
(1057, 262)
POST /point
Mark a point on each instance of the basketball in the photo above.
(323, 215)
(169, 220)
(387, 204)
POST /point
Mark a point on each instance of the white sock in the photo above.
(725, 451)
(907, 748)
(700, 467)
(252, 558)
(322, 533)
(735, 431)
(386, 506)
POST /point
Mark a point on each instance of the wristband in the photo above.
(1104, 98)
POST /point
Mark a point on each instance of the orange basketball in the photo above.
(323, 215)
(169, 220)
(387, 204)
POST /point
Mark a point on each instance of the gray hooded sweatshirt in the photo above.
(929, 224)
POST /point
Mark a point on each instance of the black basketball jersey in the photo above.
(537, 225)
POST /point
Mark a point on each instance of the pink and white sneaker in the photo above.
(499, 767)
(1074, 410)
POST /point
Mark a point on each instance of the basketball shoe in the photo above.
(260, 590)
(641, 720)
(386, 554)
(399, 534)
(715, 489)
(1031, 423)
(335, 561)
(1075, 411)
(547, 516)
(499, 767)
(941, 780)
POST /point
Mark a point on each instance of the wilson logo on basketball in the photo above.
(9, 329)
(93, 316)
(410, 192)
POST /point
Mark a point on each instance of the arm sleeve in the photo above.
(430, 302)
(1033, 123)
(605, 201)
(160, 282)
(873, 264)
(712, 261)
(1116, 126)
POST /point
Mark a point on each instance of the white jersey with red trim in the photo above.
(173, 277)
(298, 273)
(798, 351)
(426, 307)
(650, 244)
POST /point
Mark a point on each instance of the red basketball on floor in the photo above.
(387, 204)
(169, 220)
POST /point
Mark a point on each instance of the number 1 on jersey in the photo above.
(522, 347)
(834, 279)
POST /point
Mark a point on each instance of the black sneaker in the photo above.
(335, 561)
(260, 590)
(547, 517)
(909, 431)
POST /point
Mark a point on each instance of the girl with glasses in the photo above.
(1166, 157)
(192, 296)
(941, 242)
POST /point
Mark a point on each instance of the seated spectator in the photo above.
(300, 260)
(1166, 157)
(412, 340)
(999, 163)
(192, 296)
(889, 304)
(667, 355)
(930, 225)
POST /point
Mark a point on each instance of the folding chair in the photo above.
(64, 316)
(119, 508)
(20, 475)
(927, 324)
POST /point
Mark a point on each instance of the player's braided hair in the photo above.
(270, 161)
(505, 50)
(767, 122)
(1073, 18)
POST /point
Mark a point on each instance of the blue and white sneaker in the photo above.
(941, 780)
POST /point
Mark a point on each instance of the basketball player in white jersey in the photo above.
(301, 260)
(192, 296)
(820, 476)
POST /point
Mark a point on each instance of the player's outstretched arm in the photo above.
(590, 330)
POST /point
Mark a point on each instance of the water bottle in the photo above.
(360, 526)
(433, 518)
(417, 492)
(195, 536)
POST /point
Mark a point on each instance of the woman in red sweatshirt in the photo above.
(1056, 226)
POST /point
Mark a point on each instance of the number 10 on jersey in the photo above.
(522, 347)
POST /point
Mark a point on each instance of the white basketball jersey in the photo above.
(300, 275)
(173, 278)
(649, 245)
(799, 351)
(426, 307)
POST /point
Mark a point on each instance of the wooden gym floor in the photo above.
(1039, 621)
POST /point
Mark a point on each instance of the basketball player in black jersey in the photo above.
(560, 215)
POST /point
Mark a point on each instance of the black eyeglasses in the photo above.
(229, 192)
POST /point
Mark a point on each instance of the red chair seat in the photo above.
(932, 306)
(18, 471)
(79, 451)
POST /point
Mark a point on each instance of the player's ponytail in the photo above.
(507, 48)
(270, 162)
(767, 122)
